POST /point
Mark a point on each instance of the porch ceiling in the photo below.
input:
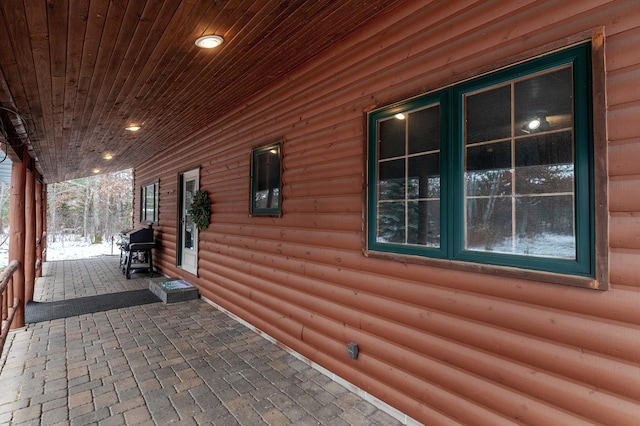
(81, 71)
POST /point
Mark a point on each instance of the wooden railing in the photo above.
(9, 303)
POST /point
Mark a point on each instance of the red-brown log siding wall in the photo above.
(439, 344)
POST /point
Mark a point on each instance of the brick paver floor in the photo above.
(185, 363)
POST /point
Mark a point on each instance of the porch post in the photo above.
(45, 233)
(30, 232)
(39, 210)
(17, 233)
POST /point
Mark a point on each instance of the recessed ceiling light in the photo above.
(107, 156)
(96, 171)
(133, 128)
(209, 41)
(534, 124)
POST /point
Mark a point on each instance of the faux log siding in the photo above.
(439, 344)
(623, 98)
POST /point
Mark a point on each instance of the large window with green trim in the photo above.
(495, 170)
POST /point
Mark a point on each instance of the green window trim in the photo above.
(266, 180)
(455, 225)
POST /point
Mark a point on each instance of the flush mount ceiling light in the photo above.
(107, 156)
(209, 41)
(133, 128)
(400, 116)
(536, 124)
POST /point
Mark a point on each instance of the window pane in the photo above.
(424, 176)
(488, 169)
(424, 223)
(391, 185)
(545, 226)
(424, 130)
(392, 138)
(544, 102)
(544, 164)
(488, 115)
(488, 224)
(149, 203)
(391, 223)
(267, 179)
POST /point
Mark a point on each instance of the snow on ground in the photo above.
(79, 250)
(68, 248)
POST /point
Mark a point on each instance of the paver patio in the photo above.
(186, 363)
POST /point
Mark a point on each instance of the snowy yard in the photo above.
(67, 249)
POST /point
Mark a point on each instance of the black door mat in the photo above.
(47, 311)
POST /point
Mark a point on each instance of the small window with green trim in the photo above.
(496, 170)
(266, 171)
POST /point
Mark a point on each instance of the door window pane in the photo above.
(189, 226)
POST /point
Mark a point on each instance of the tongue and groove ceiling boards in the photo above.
(75, 73)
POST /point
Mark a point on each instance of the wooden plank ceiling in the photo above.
(78, 71)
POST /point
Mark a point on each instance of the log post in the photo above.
(30, 233)
(39, 212)
(17, 233)
(45, 233)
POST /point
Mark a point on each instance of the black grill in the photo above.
(136, 250)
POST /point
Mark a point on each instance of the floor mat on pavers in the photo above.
(47, 311)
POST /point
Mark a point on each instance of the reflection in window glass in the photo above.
(519, 172)
(494, 170)
(488, 115)
(149, 203)
(266, 180)
(189, 227)
(409, 178)
(544, 102)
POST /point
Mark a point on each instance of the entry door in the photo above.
(189, 231)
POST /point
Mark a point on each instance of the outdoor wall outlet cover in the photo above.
(353, 350)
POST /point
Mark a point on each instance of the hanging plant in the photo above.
(200, 209)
